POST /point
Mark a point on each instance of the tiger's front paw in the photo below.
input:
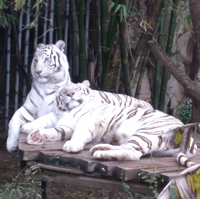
(27, 128)
(72, 147)
(36, 138)
(101, 147)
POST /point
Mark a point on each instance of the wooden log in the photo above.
(77, 178)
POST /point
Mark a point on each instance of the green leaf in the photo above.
(117, 8)
(175, 193)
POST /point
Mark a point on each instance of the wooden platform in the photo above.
(86, 169)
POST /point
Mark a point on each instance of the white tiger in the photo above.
(49, 68)
(128, 132)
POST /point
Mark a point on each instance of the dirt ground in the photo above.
(10, 167)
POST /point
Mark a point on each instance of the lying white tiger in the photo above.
(129, 132)
(49, 68)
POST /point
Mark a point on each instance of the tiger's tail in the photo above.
(188, 147)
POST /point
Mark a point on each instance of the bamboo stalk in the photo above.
(37, 10)
(115, 70)
(59, 20)
(142, 71)
(82, 61)
(8, 58)
(103, 15)
(74, 40)
(51, 22)
(99, 52)
(109, 47)
(87, 20)
(144, 37)
(170, 40)
(123, 51)
(45, 22)
(66, 26)
(157, 76)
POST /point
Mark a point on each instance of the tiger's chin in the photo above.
(42, 79)
(73, 104)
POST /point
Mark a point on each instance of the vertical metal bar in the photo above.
(17, 70)
(45, 22)
(7, 78)
(36, 31)
(26, 49)
(51, 22)
(66, 25)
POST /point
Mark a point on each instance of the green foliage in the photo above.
(151, 179)
(124, 11)
(24, 186)
(185, 111)
(175, 193)
(19, 4)
(5, 18)
(126, 188)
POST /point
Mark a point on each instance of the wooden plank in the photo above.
(167, 176)
(167, 173)
(59, 169)
(51, 154)
(83, 160)
(98, 183)
(132, 170)
(22, 138)
(31, 152)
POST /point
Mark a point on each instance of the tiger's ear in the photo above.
(60, 44)
(40, 45)
(86, 83)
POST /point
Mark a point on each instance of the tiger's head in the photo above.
(73, 95)
(50, 64)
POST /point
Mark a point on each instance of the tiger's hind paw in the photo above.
(110, 152)
(36, 138)
(103, 147)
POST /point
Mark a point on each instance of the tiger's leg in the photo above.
(40, 136)
(137, 146)
(20, 117)
(46, 121)
(62, 130)
(81, 136)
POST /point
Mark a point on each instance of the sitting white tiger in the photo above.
(129, 132)
(49, 68)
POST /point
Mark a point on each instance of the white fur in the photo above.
(39, 99)
(129, 132)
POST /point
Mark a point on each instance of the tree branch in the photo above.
(191, 87)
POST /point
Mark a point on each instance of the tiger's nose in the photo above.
(70, 94)
(38, 71)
